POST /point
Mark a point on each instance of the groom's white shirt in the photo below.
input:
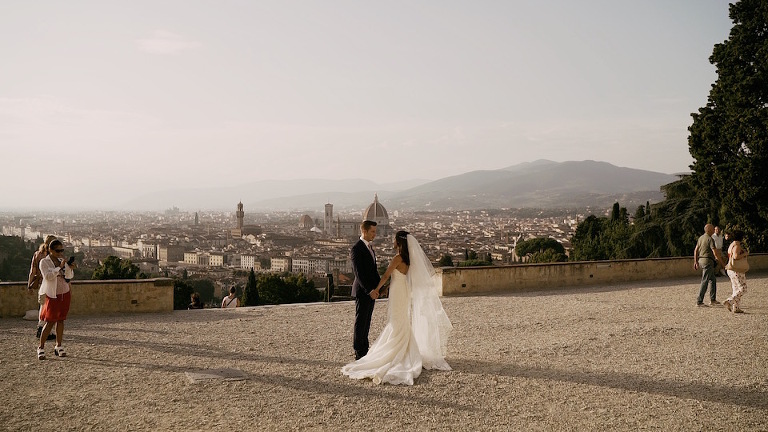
(368, 245)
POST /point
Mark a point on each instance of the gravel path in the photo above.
(635, 356)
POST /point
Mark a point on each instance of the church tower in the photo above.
(328, 221)
(240, 215)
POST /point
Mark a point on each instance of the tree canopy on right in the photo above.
(729, 136)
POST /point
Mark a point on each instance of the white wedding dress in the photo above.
(416, 333)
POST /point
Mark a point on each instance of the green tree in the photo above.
(615, 212)
(266, 263)
(303, 289)
(640, 214)
(271, 289)
(541, 249)
(446, 261)
(473, 263)
(587, 241)
(205, 287)
(729, 136)
(251, 294)
(115, 268)
(289, 288)
(181, 294)
(15, 258)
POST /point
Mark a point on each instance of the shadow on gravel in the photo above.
(184, 349)
(746, 397)
(352, 389)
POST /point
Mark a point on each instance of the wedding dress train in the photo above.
(394, 357)
(416, 333)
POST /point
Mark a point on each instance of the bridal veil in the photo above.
(430, 324)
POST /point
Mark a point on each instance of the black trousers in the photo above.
(363, 312)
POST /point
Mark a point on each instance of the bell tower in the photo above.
(240, 215)
(328, 221)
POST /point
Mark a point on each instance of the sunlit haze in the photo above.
(101, 102)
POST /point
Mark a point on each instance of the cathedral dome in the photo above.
(376, 212)
(306, 222)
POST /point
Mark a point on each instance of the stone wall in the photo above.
(93, 297)
(156, 295)
(527, 277)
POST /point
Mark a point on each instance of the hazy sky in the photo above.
(125, 96)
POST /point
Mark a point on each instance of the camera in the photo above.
(71, 260)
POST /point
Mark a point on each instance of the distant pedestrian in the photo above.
(718, 239)
(737, 257)
(56, 276)
(231, 301)
(195, 302)
(705, 256)
(36, 280)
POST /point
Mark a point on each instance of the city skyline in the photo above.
(119, 98)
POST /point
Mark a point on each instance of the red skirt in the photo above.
(56, 309)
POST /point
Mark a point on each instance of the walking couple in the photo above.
(416, 333)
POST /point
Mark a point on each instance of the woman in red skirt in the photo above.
(56, 276)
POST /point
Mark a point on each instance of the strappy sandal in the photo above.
(40, 353)
(59, 351)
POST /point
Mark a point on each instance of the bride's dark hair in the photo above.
(401, 240)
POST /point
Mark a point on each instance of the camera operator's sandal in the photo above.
(41, 354)
(59, 351)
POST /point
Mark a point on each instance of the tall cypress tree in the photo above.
(251, 292)
(729, 136)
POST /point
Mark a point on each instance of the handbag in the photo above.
(737, 265)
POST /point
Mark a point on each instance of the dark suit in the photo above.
(366, 279)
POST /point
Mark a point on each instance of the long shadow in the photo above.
(180, 349)
(319, 387)
(742, 396)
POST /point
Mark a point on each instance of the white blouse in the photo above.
(50, 272)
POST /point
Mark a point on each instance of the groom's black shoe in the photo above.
(359, 355)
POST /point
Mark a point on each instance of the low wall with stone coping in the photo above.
(94, 297)
(457, 281)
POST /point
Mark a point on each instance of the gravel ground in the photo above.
(628, 357)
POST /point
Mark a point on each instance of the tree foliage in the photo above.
(115, 268)
(541, 249)
(181, 294)
(251, 293)
(729, 136)
(290, 288)
(15, 258)
(205, 287)
(729, 144)
(446, 261)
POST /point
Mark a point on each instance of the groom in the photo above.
(366, 280)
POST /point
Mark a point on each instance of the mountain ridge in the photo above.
(539, 184)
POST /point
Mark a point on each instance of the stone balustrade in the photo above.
(92, 297)
(527, 277)
(95, 297)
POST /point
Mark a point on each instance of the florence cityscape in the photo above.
(431, 215)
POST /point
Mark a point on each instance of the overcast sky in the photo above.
(125, 96)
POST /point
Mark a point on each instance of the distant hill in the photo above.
(270, 194)
(542, 184)
(538, 184)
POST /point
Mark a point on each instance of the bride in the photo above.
(416, 334)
